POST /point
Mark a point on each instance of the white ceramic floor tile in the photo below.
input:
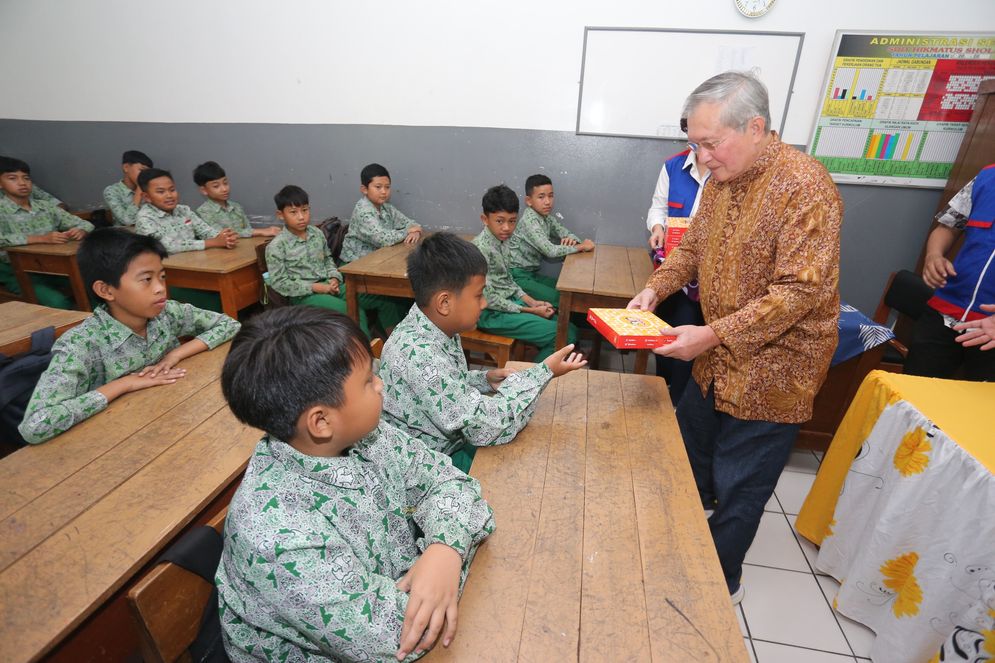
(775, 545)
(829, 587)
(808, 548)
(749, 649)
(792, 489)
(772, 504)
(770, 652)
(787, 607)
(742, 622)
(860, 637)
(802, 460)
(820, 455)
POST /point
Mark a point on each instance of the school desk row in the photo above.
(602, 551)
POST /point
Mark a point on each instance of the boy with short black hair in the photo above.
(39, 194)
(26, 221)
(219, 212)
(348, 539)
(300, 264)
(428, 390)
(530, 242)
(177, 226)
(124, 198)
(131, 341)
(510, 310)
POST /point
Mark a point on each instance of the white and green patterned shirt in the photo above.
(120, 201)
(295, 264)
(314, 546)
(429, 393)
(101, 349)
(500, 290)
(370, 229)
(37, 193)
(530, 242)
(219, 218)
(179, 230)
(17, 223)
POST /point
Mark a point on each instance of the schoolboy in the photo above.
(428, 390)
(218, 211)
(347, 538)
(26, 221)
(131, 341)
(39, 194)
(124, 198)
(177, 226)
(530, 242)
(300, 264)
(510, 310)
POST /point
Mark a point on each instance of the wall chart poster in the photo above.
(896, 106)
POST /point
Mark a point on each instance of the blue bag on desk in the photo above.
(18, 377)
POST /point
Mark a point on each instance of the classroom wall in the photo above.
(451, 96)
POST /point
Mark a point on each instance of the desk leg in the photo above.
(351, 297)
(23, 280)
(78, 287)
(227, 291)
(642, 359)
(563, 318)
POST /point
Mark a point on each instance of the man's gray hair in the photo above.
(742, 94)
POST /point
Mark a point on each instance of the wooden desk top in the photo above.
(613, 271)
(19, 319)
(218, 261)
(66, 249)
(81, 513)
(388, 262)
(602, 551)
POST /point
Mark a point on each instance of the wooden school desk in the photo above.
(383, 272)
(607, 277)
(601, 552)
(84, 514)
(19, 319)
(48, 259)
(233, 273)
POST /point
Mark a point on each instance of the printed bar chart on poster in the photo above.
(895, 105)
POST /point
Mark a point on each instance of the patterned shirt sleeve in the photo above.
(398, 219)
(536, 234)
(210, 327)
(202, 229)
(69, 221)
(281, 275)
(121, 204)
(37, 193)
(65, 394)
(957, 211)
(559, 229)
(368, 227)
(478, 380)
(498, 280)
(240, 220)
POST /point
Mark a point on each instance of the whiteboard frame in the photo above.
(583, 62)
(878, 180)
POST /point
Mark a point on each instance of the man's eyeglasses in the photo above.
(707, 145)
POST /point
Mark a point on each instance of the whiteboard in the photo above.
(634, 80)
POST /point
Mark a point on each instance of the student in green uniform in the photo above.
(124, 198)
(531, 242)
(374, 224)
(131, 341)
(428, 391)
(217, 210)
(510, 310)
(26, 221)
(348, 540)
(40, 195)
(300, 263)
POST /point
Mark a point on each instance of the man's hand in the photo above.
(646, 300)
(76, 233)
(657, 237)
(496, 376)
(585, 246)
(936, 269)
(564, 360)
(414, 234)
(978, 332)
(432, 585)
(692, 340)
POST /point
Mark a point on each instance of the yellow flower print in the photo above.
(910, 457)
(900, 578)
(989, 645)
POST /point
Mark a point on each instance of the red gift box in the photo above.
(676, 227)
(629, 329)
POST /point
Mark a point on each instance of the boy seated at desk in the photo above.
(300, 264)
(348, 539)
(219, 212)
(530, 242)
(374, 224)
(131, 341)
(428, 390)
(39, 194)
(124, 198)
(510, 310)
(24, 220)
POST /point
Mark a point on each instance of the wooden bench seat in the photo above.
(498, 349)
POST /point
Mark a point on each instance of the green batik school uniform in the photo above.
(16, 225)
(295, 264)
(503, 314)
(429, 393)
(101, 349)
(314, 547)
(528, 245)
(120, 200)
(231, 216)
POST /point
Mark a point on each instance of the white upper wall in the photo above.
(511, 64)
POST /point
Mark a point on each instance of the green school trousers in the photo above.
(463, 457)
(205, 299)
(390, 310)
(334, 303)
(538, 285)
(525, 327)
(50, 289)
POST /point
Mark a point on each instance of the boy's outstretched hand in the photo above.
(432, 585)
(565, 360)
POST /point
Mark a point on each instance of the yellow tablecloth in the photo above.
(902, 507)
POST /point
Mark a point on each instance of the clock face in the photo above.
(754, 8)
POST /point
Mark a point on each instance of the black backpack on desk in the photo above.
(18, 378)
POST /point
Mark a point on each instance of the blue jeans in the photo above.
(736, 464)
